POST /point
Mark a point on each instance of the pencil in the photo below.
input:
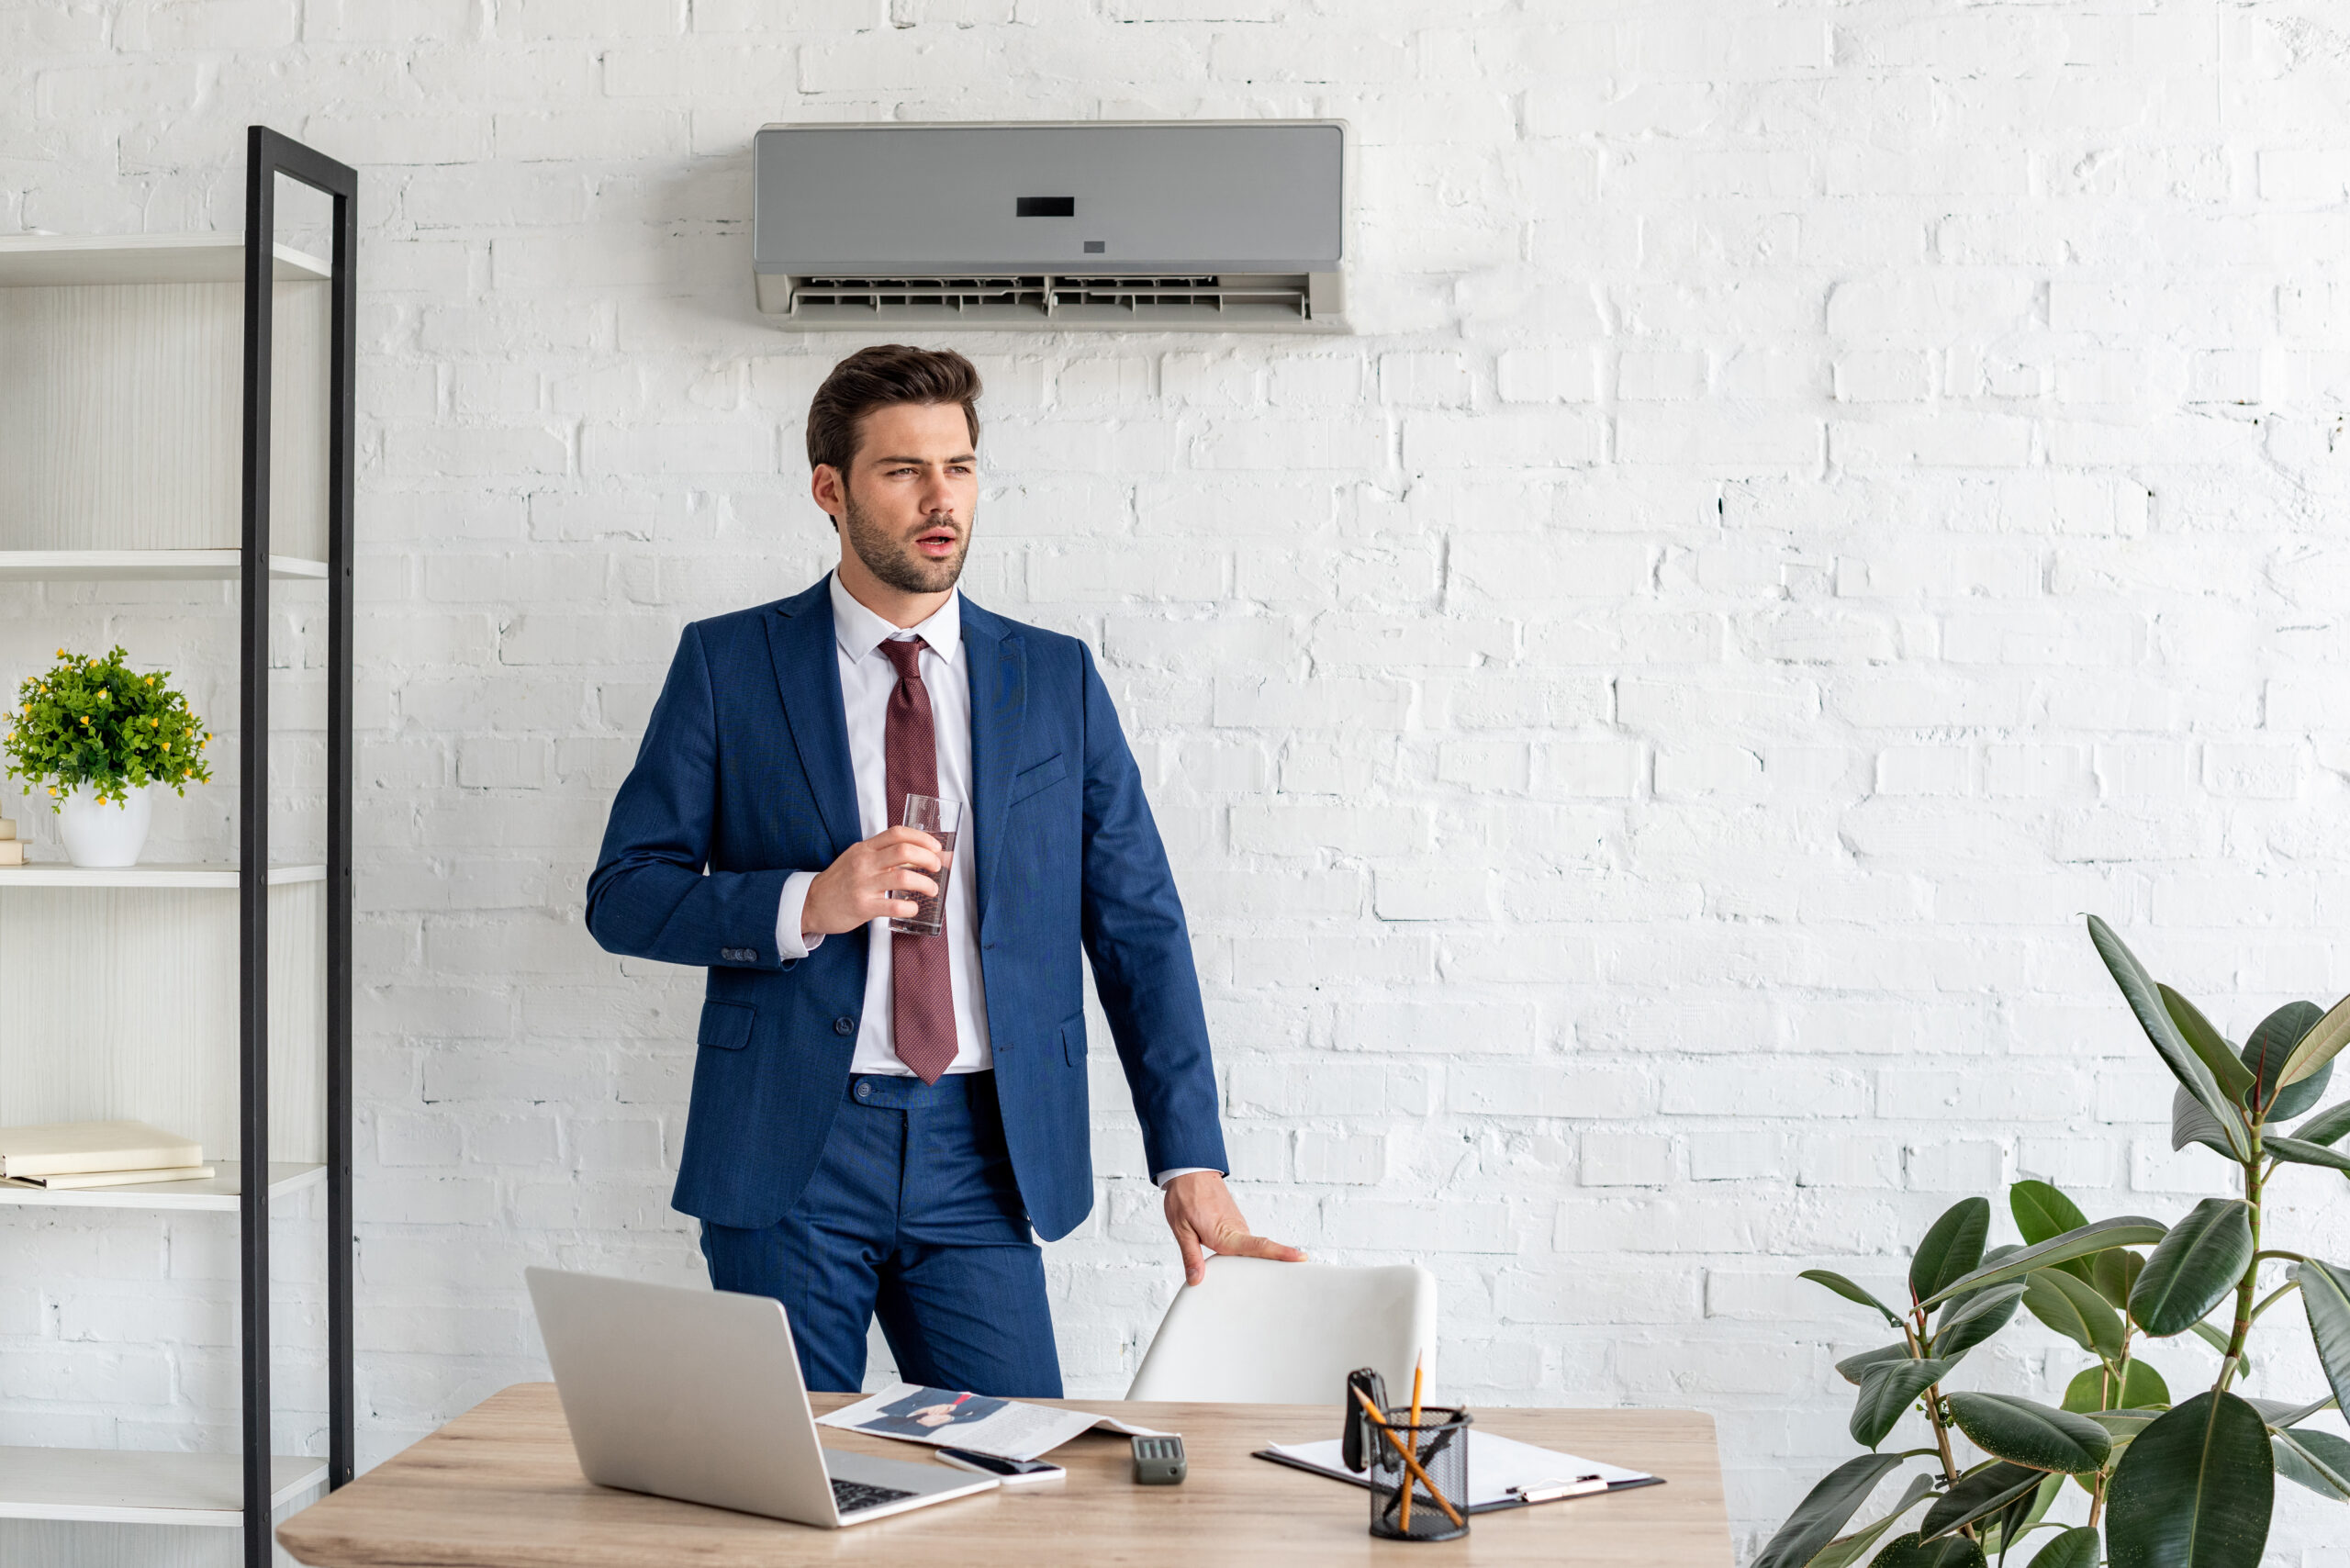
(1378, 1420)
(1419, 1370)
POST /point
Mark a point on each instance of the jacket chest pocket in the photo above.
(1035, 781)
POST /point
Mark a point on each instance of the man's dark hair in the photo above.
(884, 377)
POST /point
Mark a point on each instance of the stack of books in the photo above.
(61, 1155)
(12, 848)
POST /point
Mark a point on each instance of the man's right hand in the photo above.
(872, 879)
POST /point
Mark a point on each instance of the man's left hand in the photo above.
(1200, 1213)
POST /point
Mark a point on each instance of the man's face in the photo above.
(905, 505)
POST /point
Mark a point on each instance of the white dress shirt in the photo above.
(866, 679)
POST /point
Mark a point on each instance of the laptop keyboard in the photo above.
(851, 1496)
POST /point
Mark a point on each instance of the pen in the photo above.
(1552, 1491)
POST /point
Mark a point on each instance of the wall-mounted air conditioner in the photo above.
(1215, 226)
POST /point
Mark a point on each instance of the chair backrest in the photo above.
(1257, 1332)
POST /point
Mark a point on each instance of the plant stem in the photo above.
(2278, 1252)
(2287, 1288)
(2244, 1287)
(1933, 1398)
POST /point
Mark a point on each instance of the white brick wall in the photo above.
(1820, 497)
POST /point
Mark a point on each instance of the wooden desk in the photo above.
(499, 1487)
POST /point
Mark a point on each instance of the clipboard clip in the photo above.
(1552, 1491)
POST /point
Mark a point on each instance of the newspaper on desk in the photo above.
(1004, 1428)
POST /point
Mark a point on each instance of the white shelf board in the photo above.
(50, 260)
(121, 1487)
(55, 874)
(142, 565)
(216, 1193)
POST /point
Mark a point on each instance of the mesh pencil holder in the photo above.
(1437, 1493)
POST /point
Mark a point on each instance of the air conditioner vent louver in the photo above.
(1213, 301)
(1209, 225)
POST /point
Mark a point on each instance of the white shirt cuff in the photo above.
(1162, 1178)
(791, 942)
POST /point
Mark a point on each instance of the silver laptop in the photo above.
(697, 1395)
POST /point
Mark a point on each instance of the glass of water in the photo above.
(937, 818)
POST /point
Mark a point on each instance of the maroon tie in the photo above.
(922, 997)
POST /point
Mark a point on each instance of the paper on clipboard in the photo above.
(1499, 1468)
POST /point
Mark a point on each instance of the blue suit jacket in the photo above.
(744, 777)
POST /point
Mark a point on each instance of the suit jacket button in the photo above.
(844, 1025)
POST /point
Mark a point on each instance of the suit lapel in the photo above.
(807, 676)
(999, 672)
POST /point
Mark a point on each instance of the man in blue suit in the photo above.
(881, 1119)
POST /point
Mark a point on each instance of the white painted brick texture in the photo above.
(1819, 496)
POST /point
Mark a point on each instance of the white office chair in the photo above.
(1257, 1332)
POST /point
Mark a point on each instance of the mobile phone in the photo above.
(1009, 1472)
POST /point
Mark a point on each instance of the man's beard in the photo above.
(895, 561)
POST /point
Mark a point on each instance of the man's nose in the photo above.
(937, 496)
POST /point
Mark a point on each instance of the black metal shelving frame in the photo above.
(269, 154)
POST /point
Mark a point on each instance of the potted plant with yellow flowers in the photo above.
(99, 737)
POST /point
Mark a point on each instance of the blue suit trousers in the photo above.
(912, 1214)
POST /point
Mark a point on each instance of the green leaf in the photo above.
(1952, 1248)
(1846, 1549)
(2318, 1461)
(1887, 1389)
(1851, 1367)
(2201, 1260)
(2209, 1046)
(2194, 1490)
(1970, 1319)
(1849, 1290)
(2043, 1214)
(1996, 1534)
(2086, 1394)
(2298, 1151)
(2075, 1310)
(2190, 1123)
(1982, 1491)
(2113, 1271)
(2125, 1230)
(2325, 1297)
(2075, 1548)
(2121, 1425)
(2320, 1045)
(1909, 1551)
(1825, 1509)
(2265, 1054)
(2024, 1432)
(2138, 989)
(2327, 1126)
(2293, 1416)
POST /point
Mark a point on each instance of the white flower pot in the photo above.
(103, 834)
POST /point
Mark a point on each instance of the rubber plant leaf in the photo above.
(2320, 1045)
(1849, 1290)
(2087, 1393)
(2114, 1271)
(2227, 1069)
(2073, 1309)
(2124, 1230)
(2318, 1461)
(1911, 1552)
(2023, 1431)
(2327, 1126)
(2194, 1490)
(1952, 1248)
(2138, 989)
(2190, 1123)
(1851, 1368)
(2201, 1260)
(1969, 1320)
(2076, 1548)
(2042, 1213)
(1825, 1509)
(1979, 1492)
(1846, 1549)
(2325, 1297)
(2299, 1151)
(2266, 1052)
(1887, 1389)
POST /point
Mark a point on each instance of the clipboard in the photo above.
(1496, 1464)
